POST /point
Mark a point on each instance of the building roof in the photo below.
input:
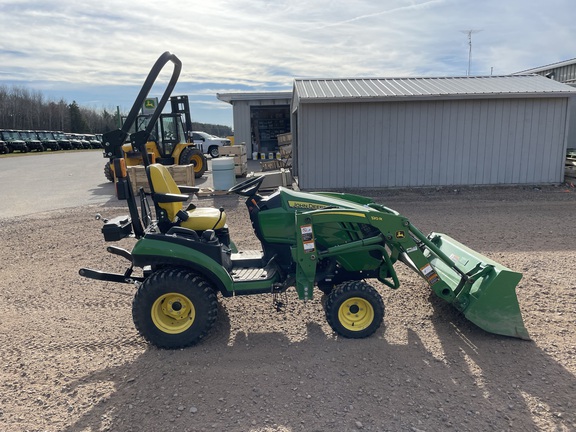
(548, 67)
(248, 96)
(388, 89)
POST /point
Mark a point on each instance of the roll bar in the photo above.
(113, 140)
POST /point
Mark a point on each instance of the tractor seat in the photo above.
(204, 218)
(168, 199)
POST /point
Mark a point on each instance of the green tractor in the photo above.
(333, 242)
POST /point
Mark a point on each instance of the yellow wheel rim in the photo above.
(355, 314)
(173, 313)
(196, 160)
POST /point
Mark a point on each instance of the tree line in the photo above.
(25, 109)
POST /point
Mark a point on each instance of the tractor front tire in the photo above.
(354, 309)
(174, 308)
(194, 156)
(108, 172)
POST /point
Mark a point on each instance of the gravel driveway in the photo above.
(72, 360)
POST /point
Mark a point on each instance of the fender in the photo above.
(158, 249)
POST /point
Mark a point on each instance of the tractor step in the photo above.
(255, 280)
(253, 274)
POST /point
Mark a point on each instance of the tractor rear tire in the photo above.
(354, 309)
(108, 173)
(174, 308)
(194, 156)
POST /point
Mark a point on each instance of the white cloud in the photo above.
(262, 44)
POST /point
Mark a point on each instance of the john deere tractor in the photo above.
(184, 256)
(168, 141)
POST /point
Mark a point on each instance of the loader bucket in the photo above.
(488, 297)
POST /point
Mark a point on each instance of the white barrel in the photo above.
(223, 173)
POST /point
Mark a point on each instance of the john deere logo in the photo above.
(400, 234)
(149, 103)
(306, 205)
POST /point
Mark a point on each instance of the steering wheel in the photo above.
(247, 187)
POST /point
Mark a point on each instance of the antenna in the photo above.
(469, 33)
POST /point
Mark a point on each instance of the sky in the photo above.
(99, 53)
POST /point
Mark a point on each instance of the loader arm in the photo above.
(307, 252)
(483, 290)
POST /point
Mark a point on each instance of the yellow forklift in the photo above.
(169, 142)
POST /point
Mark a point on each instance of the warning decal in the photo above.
(308, 238)
(430, 274)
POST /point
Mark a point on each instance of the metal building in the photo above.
(564, 72)
(258, 118)
(364, 133)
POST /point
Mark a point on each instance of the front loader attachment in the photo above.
(482, 289)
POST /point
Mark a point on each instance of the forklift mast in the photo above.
(180, 105)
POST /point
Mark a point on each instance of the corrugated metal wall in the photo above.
(242, 132)
(431, 143)
(572, 123)
(566, 74)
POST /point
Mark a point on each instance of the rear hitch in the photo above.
(111, 277)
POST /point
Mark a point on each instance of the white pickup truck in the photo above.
(207, 143)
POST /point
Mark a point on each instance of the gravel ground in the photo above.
(72, 360)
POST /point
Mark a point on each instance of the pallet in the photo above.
(270, 165)
(273, 179)
(285, 138)
(206, 192)
(235, 150)
(241, 170)
(238, 152)
(182, 175)
(285, 151)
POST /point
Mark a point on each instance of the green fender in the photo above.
(149, 251)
